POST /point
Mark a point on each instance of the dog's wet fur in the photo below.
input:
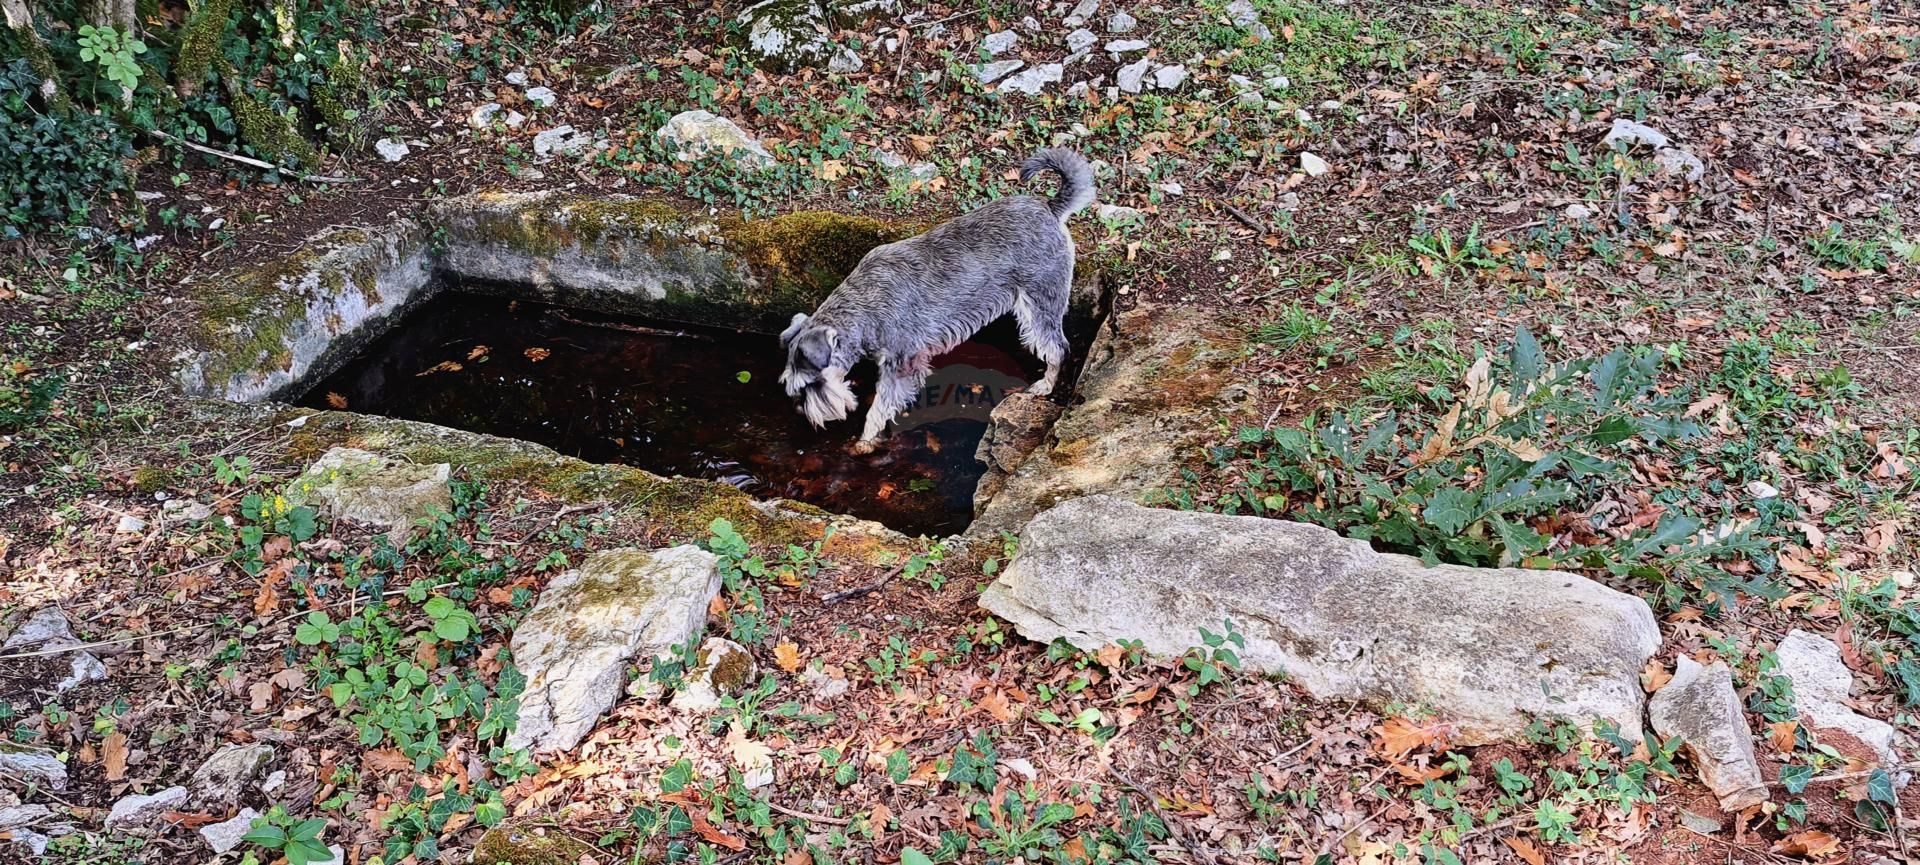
(911, 301)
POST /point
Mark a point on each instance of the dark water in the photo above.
(682, 401)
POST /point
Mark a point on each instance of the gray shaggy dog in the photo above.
(910, 301)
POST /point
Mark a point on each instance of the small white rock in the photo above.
(517, 79)
(132, 811)
(1578, 211)
(1301, 115)
(1169, 77)
(1080, 40)
(1118, 47)
(1762, 490)
(998, 69)
(1131, 76)
(1628, 132)
(1121, 22)
(999, 43)
(482, 116)
(542, 97)
(1312, 164)
(1173, 187)
(844, 61)
(1033, 80)
(227, 834)
(1082, 12)
(391, 149)
(130, 524)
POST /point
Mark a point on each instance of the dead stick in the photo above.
(1247, 219)
(867, 589)
(246, 160)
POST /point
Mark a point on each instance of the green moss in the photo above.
(732, 672)
(507, 845)
(799, 258)
(41, 61)
(149, 479)
(270, 134)
(200, 40)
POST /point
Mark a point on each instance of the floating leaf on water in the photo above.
(478, 352)
(537, 354)
(336, 400)
(743, 376)
(443, 366)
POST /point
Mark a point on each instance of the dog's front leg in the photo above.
(891, 394)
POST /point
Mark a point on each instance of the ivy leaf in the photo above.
(1795, 778)
(1880, 787)
(911, 856)
(1449, 510)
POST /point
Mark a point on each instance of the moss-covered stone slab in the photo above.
(259, 332)
(722, 668)
(619, 605)
(256, 333)
(634, 255)
(353, 484)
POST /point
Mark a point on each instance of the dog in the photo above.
(911, 301)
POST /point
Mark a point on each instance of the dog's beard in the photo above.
(827, 398)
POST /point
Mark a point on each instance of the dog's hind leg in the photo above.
(895, 391)
(1041, 310)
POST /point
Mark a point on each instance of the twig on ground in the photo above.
(1247, 219)
(246, 160)
(867, 589)
(633, 328)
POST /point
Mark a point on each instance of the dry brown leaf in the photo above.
(260, 695)
(1441, 442)
(1399, 737)
(1525, 850)
(787, 657)
(385, 760)
(443, 366)
(1780, 734)
(1655, 676)
(113, 754)
(478, 352)
(336, 400)
(1812, 842)
(996, 704)
(537, 354)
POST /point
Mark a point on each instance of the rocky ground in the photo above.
(1415, 212)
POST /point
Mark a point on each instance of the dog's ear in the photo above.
(816, 345)
(799, 321)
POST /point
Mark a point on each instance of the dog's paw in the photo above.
(1044, 388)
(863, 447)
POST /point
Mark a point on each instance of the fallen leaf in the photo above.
(996, 704)
(537, 354)
(1812, 842)
(259, 694)
(1525, 850)
(385, 760)
(1780, 735)
(443, 366)
(787, 657)
(1655, 676)
(113, 752)
(478, 352)
(1399, 737)
(336, 400)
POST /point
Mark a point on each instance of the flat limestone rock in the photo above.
(1821, 685)
(1700, 706)
(33, 765)
(357, 485)
(46, 629)
(1487, 649)
(133, 812)
(228, 772)
(575, 644)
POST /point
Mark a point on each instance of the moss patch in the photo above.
(270, 134)
(200, 41)
(148, 479)
(507, 845)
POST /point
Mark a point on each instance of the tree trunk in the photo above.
(118, 14)
(20, 21)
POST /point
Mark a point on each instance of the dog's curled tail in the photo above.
(1076, 179)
